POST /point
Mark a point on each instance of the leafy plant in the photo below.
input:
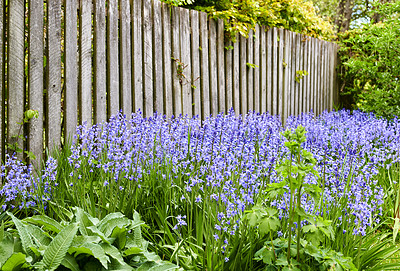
(300, 74)
(84, 243)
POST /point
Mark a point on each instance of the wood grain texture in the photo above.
(53, 118)
(2, 81)
(204, 67)
(221, 66)
(15, 66)
(36, 73)
(250, 71)
(228, 75)
(257, 69)
(315, 76)
(263, 70)
(195, 62)
(158, 58)
(185, 59)
(148, 58)
(113, 57)
(167, 63)
(212, 28)
(318, 81)
(269, 70)
(301, 101)
(175, 58)
(125, 57)
(286, 74)
(293, 76)
(236, 76)
(281, 78)
(275, 76)
(100, 71)
(243, 76)
(297, 103)
(308, 77)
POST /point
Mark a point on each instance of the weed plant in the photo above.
(193, 182)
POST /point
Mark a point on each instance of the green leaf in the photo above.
(133, 251)
(45, 221)
(38, 236)
(396, 228)
(113, 252)
(58, 248)
(94, 250)
(108, 227)
(70, 263)
(23, 234)
(16, 260)
(120, 235)
(6, 247)
(83, 218)
(163, 266)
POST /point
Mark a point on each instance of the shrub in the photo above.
(371, 65)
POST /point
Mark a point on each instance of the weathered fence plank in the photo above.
(221, 65)
(257, 69)
(204, 67)
(36, 72)
(250, 71)
(113, 57)
(301, 75)
(235, 77)
(125, 53)
(293, 76)
(242, 76)
(15, 67)
(307, 85)
(100, 71)
(263, 70)
(158, 58)
(137, 57)
(2, 80)
(275, 51)
(269, 71)
(229, 80)
(177, 64)
(185, 59)
(53, 120)
(212, 28)
(148, 58)
(286, 70)
(167, 63)
(281, 46)
(195, 53)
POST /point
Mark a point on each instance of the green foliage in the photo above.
(300, 74)
(240, 16)
(371, 65)
(85, 243)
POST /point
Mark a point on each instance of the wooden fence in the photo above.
(87, 60)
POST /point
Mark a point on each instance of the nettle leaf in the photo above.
(94, 250)
(24, 235)
(45, 221)
(16, 260)
(58, 248)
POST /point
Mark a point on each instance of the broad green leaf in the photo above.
(113, 252)
(6, 247)
(107, 229)
(2, 231)
(81, 239)
(164, 266)
(58, 248)
(38, 235)
(102, 224)
(70, 263)
(396, 228)
(16, 260)
(91, 249)
(24, 235)
(120, 235)
(83, 218)
(132, 251)
(47, 222)
(98, 233)
(117, 266)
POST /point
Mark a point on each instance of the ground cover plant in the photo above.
(231, 192)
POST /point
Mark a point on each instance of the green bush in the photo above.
(240, 16)
(371, 65)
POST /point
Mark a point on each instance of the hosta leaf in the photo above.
(16, 260)
(24, 235)
(84, 221)
(45, 221)
(70, 263)
(113, 252)
(91, 249)
(57, 249)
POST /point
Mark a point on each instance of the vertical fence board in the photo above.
(2, 80)
(221, 65)
(147, 58)
(235, 76)
(167, 64)
(177, 97)
(263, 70)
(250, 71)
(301, 77)
(308, 78)
(212, 27)
(334, 76)
(323, 82)
(269, 71)
(137, 57)
(158, 58)
(15, 67)
(319, 78)
(204, 67)
(297, 103)
(315, 77)
(35, 144)
(275, 71)
(53, 135)
(281, 45)
(257, 69)
(228, 75)
(195, 53)
(185, 59)
(242, 76)
(293, 76)
(286, 71)
(113, 57)
(100, 83)
(312, 74)
(125, 57)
